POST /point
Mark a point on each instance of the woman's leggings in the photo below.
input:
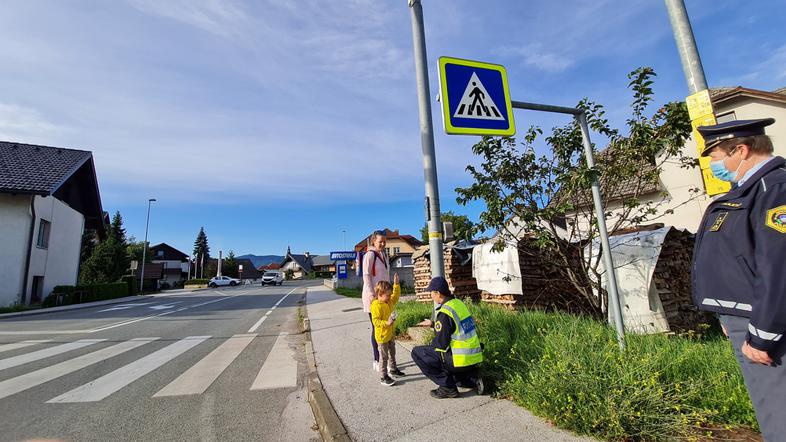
(374, 345)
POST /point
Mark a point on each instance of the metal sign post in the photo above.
(427, 141)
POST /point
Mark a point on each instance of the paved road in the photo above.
(225, 364)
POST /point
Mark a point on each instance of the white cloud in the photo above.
(221, 17)
(534, 55)
(19, 123)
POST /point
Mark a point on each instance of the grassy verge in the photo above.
(349, 292)
(569, 370)
(18, 308)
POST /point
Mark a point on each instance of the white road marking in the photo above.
(121, 324)
(110, 383)
(198, 378)
(279, 369)
(262, 319)
(23, 344)
(45, 353)
(38, 377)
(124, 306)
(45, 332)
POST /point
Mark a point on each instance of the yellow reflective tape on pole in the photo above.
(701, 113)
(434, 235)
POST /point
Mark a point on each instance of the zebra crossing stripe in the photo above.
(38, 377)
(17, 345)
(114, 381)
(279, 369)
(199, 377)
(45, 353)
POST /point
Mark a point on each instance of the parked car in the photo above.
(218, 281)
(273, 278)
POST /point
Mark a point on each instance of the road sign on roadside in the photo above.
(341, 270)
(343, 256)
(475, 98)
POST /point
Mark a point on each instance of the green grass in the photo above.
(569, 370)
(349, 292)
(18, 308)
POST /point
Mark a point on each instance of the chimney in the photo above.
(307, 255)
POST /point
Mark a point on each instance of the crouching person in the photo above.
(453, 357)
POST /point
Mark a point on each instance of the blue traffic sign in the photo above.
(475, 98)
(341, 270)
(343, 256)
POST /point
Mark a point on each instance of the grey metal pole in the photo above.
(427, 140)
(144, 247)
(608, 262)
(686, 44)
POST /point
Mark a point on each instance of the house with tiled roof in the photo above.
(298, 265)
(48, 197)
(174, 261)
(676, 204)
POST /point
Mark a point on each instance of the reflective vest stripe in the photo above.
(465, 346)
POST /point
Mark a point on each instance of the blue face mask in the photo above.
(722, 173)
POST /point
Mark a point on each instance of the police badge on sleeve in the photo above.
(776, 219)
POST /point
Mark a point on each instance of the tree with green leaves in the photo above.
(135, 249)
(546, 198)
(201, 253)
(109, 260)
(229, 265)
(463, 227)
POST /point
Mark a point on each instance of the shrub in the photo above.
(197, 281)
(85, 293)
(569, 370)
(133, 284)
(349, 292)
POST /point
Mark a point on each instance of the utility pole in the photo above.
(686, 44)
(144, 247)
(427, 140)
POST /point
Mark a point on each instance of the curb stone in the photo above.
(330, 426)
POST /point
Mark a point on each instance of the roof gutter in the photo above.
(29, 249)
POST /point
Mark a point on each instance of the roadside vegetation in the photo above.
(569, 370)
(358, 292)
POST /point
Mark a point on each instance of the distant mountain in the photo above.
(262, 260)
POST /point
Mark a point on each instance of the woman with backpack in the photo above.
(375, 268)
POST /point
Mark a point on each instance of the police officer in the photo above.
(739, 261)
(452, 358)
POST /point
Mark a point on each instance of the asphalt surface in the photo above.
(224, 364)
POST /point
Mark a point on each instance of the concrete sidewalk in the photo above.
(341, 335)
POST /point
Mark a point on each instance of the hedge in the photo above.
(69, 294)
(197, 281)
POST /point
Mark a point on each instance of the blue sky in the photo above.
(275, 122)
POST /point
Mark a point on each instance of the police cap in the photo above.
(715, 134)
(439, 284)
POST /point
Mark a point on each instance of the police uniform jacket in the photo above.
(739, 259)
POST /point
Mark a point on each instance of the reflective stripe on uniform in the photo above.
(466, 351)
(767, 336)
(459, 334)
(727, 304)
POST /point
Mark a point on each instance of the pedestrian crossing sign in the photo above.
(475, 98)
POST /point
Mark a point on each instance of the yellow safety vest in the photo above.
(464, 342)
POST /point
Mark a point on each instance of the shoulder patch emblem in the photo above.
(716, 225)
(438, 326)
(776, 218)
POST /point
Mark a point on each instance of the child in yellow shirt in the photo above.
(383, 316)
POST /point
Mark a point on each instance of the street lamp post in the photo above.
(144, 248)
(344, 232)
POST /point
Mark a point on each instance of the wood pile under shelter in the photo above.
(458, 271)
(543, 286)
(672, 280)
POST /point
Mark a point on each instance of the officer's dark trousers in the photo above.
(442, 374)
(766, 385)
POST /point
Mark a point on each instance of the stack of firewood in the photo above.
(543, 288)
(672, 280)
(459, 276)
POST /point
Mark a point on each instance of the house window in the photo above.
(43, 233)
(725, 118)
(160, 253)
(396, 250)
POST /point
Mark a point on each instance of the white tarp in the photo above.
(635, 256)
(498, 273)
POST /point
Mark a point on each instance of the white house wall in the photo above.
(14, 233)
(59, 262)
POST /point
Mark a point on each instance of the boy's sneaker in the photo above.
(375, 366)
(396, 372)
(387, 381)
